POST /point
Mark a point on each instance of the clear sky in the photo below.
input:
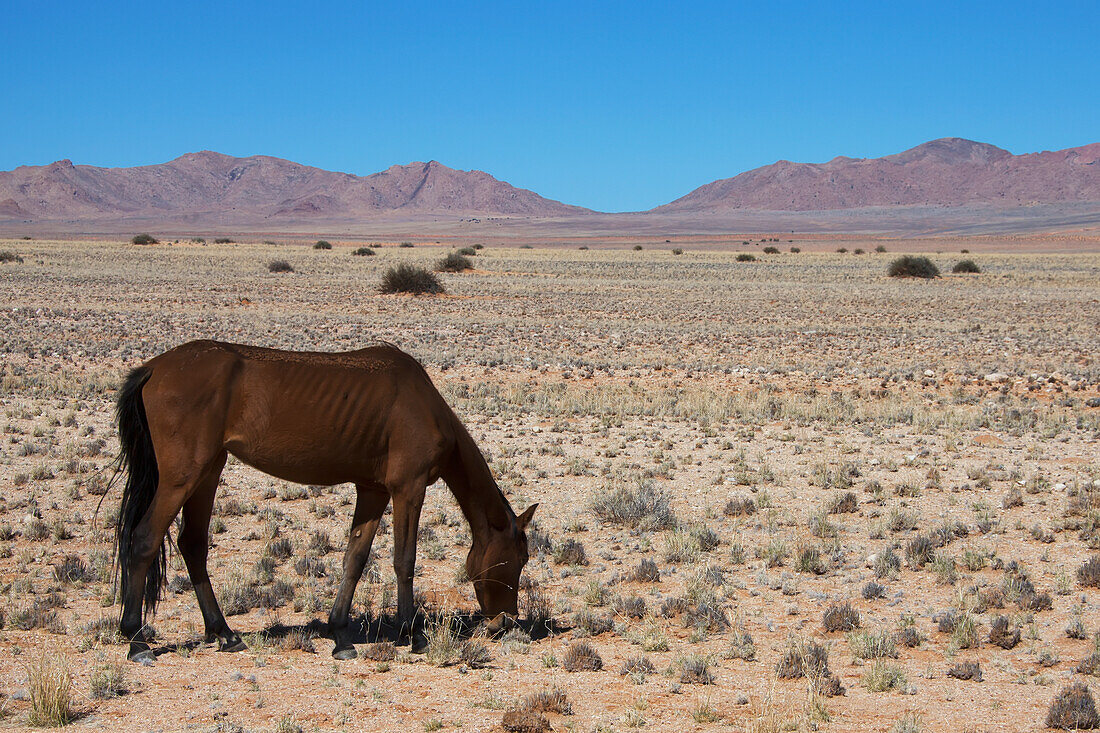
(610, 105)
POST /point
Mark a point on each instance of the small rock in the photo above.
(20, 694)
(996, 377)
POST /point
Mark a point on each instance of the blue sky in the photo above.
(611, 105)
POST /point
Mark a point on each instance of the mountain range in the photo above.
(208, 190)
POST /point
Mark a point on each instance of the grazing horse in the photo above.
(370, 417)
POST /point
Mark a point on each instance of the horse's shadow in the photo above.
(366, 629)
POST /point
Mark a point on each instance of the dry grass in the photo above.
(710, 485)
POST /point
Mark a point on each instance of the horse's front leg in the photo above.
(370, 503)
(407, 504)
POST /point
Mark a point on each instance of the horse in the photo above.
(370, 417)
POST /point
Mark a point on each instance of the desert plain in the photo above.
(783, 494)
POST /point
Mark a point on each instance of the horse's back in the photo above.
(314, 417)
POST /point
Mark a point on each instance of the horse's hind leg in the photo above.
(370, 503)
(194, 545)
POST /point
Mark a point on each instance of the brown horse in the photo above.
(370, 417)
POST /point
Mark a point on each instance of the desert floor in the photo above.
(924, 451)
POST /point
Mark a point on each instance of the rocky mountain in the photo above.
(257, 188)
(946, 172)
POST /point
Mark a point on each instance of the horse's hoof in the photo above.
(501, 623)
(233, 644)
(145, 658)
(346, 653)
(419, 644)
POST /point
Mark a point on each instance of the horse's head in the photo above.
(495, 563)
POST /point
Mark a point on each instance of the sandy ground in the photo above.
(961, 410)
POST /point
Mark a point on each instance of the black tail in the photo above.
(140, 464)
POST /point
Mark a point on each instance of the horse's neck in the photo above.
(480, 499)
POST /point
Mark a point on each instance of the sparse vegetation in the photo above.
(454, 262)
(410, 279)
(913, 266)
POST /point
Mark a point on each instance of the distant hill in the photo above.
(944, 186)
(946, 172)
(207, 185)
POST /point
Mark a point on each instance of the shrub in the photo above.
(72, 569)
(49, 684)
(808, 560)
(581, 656)
(1073, 709)
(677, 251)
(840, 617)
(646, 572)
(570, 552)
(279, 266)
(880, 249)
(739, 505)
(410, 279)
(746, 257)
(795, 250)
(1088, 574)
(966, 266)
(966, 671)
(844, 504)
(364, 252)
(647, 508)
(771, 250)
(910, 266)
(873, 589)
(223, 240)
(108, 681)
(143, 239)
(872, 644)
(808, 659)
(7, 256)
(920, 551)
(1004, 634)
(695, 670)
(454, 262)
(884, 676)
(322, 244)
(842, 250)
(553, 700)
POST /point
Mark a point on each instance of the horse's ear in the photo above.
(524, 519)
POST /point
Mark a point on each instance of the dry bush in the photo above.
(454, 262)
(739, 506)
(646, 508)
(1088, 574)
(966, 267)
(646, 572)
(553, 700)
(570, 552)
(1073, 709)
(410, 279)
(803, 659)
(7, 256)
(279, 266)
(1003, 634)
(581, 656)
(912, 266)
(637, 664)
(49, 685)
(695, 670)
(380, 651)
(840, 617)
(966, 671)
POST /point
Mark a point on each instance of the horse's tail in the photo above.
(140, 464)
